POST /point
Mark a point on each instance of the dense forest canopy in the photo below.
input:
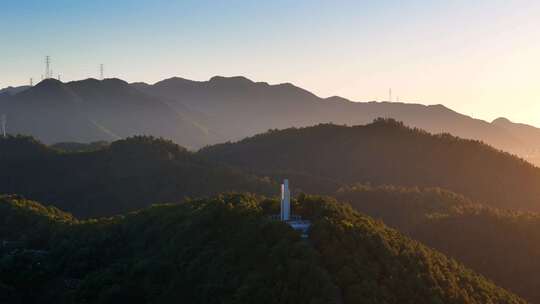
(226, 249)
(500, 244)
(386, 152)
(80, 147)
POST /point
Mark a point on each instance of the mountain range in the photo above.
(199, 113)
(487, 233)
(93, 110)
(13, 90)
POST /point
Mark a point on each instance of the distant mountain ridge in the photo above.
(240, 107)
(199, 113)
(13, 90)
(93, 110)
(524, 133)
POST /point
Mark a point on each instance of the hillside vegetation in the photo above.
(225, 249)
(80, 147)
(125, 175)
(325, 157)
(502, 245)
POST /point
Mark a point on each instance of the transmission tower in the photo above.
(48, 72)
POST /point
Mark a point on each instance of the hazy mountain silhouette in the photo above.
(199, 113)
(237, 107)
(92, 110)
(13, 90)
(524, 133)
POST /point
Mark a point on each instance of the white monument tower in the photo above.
(295, 221)
(285, 201)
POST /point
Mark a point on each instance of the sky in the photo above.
(480, 58)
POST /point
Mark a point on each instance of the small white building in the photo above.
(295, 221)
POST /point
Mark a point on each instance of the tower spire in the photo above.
(285, 201)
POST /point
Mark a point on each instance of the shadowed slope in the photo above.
(501, 245)
(126, 175)
(323, 157)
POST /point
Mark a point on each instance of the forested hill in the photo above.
(323, 157)
(501, 245)
(125, 175)
(224, 250)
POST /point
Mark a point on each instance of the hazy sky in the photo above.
(481, 58)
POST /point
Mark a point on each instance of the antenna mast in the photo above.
(48, 72)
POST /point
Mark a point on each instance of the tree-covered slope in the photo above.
(126, 175)
(80, 147)
(502, 245)
(375, 264)
(28, 221)
(226, 250)
(220, 250)
(321, 158)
